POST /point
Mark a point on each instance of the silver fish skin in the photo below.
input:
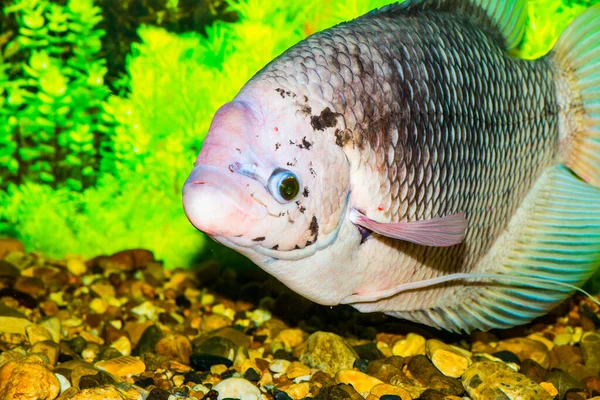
(408, 113)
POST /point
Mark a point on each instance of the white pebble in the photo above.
(279, 366)
(237, 388)
(64, 383)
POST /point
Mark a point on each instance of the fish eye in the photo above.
(283, 185)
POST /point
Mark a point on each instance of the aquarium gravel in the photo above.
(122, 327)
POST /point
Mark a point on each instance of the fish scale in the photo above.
(518, 129)
(446, 181)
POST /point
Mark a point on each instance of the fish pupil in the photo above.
(289, 188)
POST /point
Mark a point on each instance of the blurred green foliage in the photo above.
(104, 106)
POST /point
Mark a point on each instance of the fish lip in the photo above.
(218, 204)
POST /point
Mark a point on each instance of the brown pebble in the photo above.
(592, 385)
(525, 348)
(574, 395)
(427, 374)
(533, 370)
(568, 354)
(431, 394)
(176, 347)
(382, 370)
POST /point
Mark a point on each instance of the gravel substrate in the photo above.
(122, 327)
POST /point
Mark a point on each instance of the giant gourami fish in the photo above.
(405, 162)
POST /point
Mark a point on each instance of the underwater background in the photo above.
(104, 106)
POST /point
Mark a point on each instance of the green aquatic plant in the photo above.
(103, 167)
(54, 93)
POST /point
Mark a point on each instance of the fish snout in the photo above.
(219, 205)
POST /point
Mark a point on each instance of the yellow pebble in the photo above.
(384, 388)
(290, 338)
(537, 337)
(411, 346)
(363, 383)
(550, 388)
(218, 369)
(76, 266)
(384, 348)
(451, 361)
(298, 391)
(122, 366)
(123, 345)
(297, 369)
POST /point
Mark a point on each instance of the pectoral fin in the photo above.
(439, 232)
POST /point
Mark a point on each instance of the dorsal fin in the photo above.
(503, 18)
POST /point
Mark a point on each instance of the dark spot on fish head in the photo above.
(275, 247)
(305, 193)
(277, 146)
(258, 239)
(308, 243)
(327, 119)
(314, 227)
(305, 109)
(296, 247)
(342, 137)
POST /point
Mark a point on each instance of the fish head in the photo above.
(271, 186)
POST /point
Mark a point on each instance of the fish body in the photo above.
(407, 146)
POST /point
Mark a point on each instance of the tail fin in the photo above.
(577, 54)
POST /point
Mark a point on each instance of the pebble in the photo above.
(296, 370)
(47, 347)
(493, 380)
(328, 352)
(203, 361)
(100, 378)
(533, 370)
(298, 391)
(76, 266)
(17, 325)
(368, 352)
(122, 366)
(362, 382)
(279, 366)
(98, 305)
(237, 388)
(550, 388)
(36, 333)
(290, 338)
(176, 347)
(215, 321)
(527, 348)
(217, 346)
(428, 375)
(64, 382)
(383, 370)
(252, 375)
(412, 345)
(563, 382)
(567, 354)
(379, 391)
(28, 378)
(122, 345)
(98, 393)
(148, 340)
(450, 360)
(590, 350)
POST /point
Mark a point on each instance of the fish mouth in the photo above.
(217, 204)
